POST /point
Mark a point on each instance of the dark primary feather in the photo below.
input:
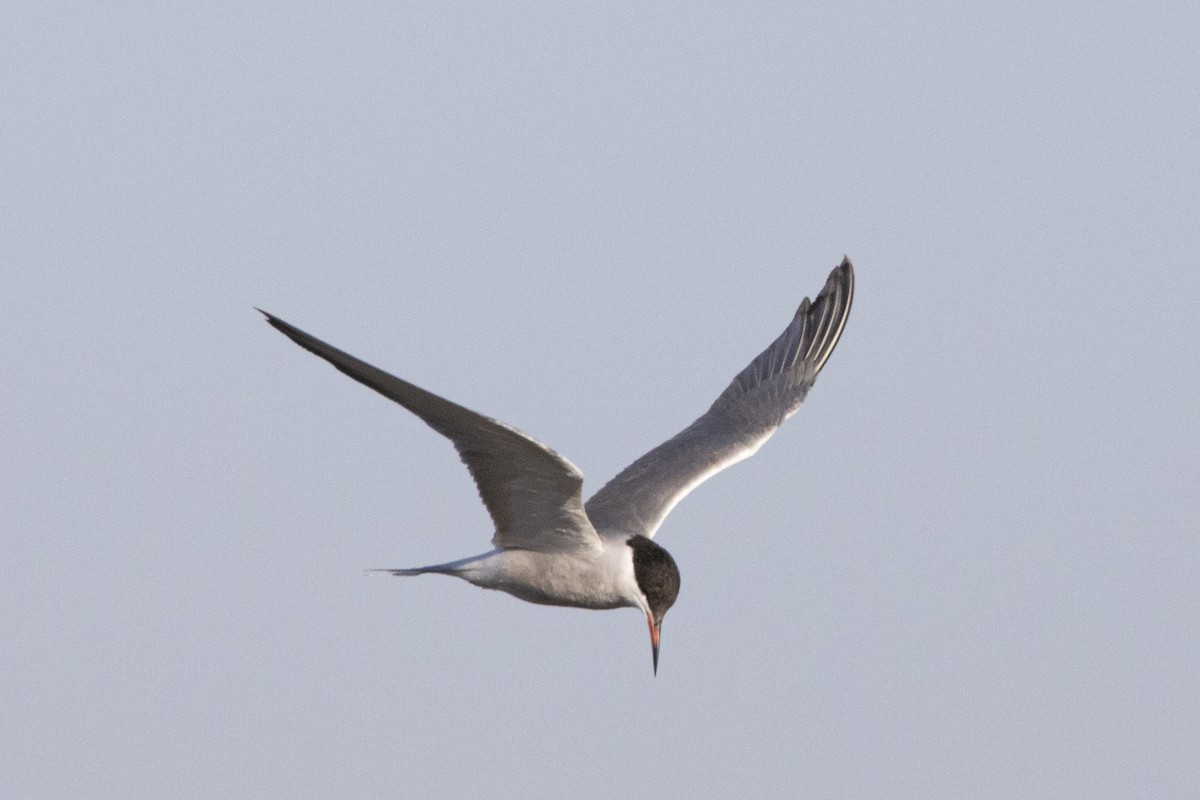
(754, 405)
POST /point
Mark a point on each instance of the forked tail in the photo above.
(439, 569)
(456, 568)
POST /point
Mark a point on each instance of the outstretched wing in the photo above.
(531, 492)
(760, 398)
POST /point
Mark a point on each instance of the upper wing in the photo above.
(531, 492)
(760, 398)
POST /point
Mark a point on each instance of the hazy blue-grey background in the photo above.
(967, 568)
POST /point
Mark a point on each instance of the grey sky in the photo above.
(966, 568)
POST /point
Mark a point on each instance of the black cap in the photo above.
(656, 574)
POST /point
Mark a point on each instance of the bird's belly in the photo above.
(550, 579)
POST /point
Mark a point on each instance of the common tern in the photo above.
(552, 548)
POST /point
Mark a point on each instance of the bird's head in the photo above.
(658, 583)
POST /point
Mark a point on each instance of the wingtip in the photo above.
(839, 273)
(278, 324)
(845, 268)
(843, 274)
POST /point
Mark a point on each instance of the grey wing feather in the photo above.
(532, 494)
(755, 404)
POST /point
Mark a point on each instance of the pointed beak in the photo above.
(654, 631)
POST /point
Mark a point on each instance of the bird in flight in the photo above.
(552, 548)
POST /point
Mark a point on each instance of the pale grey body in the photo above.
(549, 547)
